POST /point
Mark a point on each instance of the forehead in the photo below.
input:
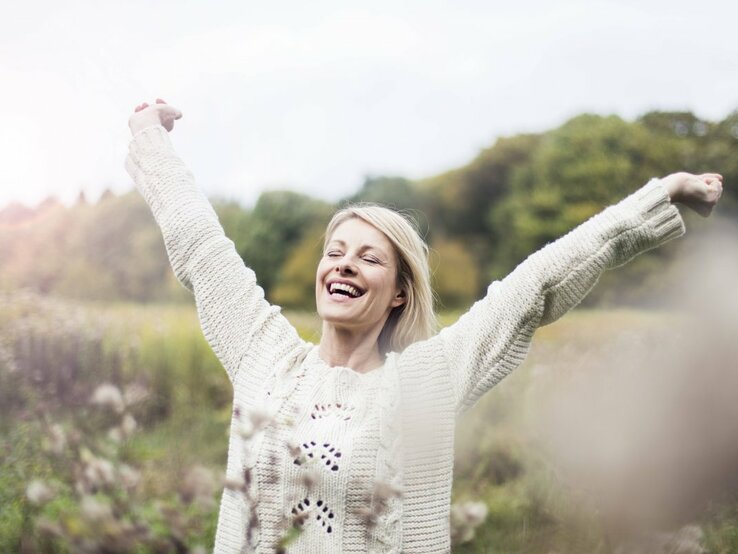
(358, 233)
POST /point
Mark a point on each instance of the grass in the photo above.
(499, 457)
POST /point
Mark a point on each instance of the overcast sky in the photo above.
(312, 96)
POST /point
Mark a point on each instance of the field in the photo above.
(571, 454)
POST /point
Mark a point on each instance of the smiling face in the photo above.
(356, 282)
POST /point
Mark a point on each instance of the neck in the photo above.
(350, 348)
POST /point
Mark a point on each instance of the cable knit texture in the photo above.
(337, 443)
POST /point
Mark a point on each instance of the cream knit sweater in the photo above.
(334, 443)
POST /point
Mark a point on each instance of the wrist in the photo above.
(139, 122)
(673, 186)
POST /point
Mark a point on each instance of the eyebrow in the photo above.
(362, 248)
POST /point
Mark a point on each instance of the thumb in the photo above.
(177, 113)
(710, 177)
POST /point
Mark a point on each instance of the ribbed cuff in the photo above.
(653, 204)
(149, 138)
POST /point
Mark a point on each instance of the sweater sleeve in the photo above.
(238, 323)
(494, 336)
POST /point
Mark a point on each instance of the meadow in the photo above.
(114, 421)
(617, 435)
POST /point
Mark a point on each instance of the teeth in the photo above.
(353, 291)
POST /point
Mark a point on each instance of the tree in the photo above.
(455, 275)
(465, 195)
(296, 285)
(394, 192)
(577, 170)
(235, 219)
(276, 225)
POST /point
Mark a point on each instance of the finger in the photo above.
(160, 101)
(178, 115)
(715, 184)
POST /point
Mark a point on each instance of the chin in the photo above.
(333, 316)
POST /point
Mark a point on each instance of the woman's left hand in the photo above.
(698, 192)
(160, 113)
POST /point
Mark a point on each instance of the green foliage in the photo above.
(394, 192)
(455, 277)
(722, 529)
(679, 124)
(576, 171)
(53, 354)
(296, 285)
(591, 162)
(511, 199)
(235, 219)
(89, 496)
(112, 250)
(275, 226)
(592, 158)
(463, 196)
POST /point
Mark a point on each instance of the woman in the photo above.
(352, 439)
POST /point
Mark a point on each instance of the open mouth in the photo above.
(344, 289)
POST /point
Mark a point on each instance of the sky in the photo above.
(314, 96)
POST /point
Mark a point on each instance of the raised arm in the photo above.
(240, 326)
(494, 336)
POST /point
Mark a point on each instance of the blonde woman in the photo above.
(351, 440)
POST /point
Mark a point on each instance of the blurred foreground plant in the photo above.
(465, 518)
(90, 496)
(83, 466)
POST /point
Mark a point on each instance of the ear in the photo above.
(399, 298)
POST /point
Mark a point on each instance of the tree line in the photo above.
(481, 219)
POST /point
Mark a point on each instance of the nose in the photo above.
(345, 267)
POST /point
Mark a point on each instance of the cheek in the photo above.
(318, 277)
(320, 274)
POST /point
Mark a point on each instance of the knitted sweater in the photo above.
(330, 445)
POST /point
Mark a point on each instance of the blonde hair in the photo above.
(414, 320)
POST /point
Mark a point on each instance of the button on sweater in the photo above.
(362, 462)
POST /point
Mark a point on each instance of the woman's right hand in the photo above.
(159, 113)
(698, 192)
